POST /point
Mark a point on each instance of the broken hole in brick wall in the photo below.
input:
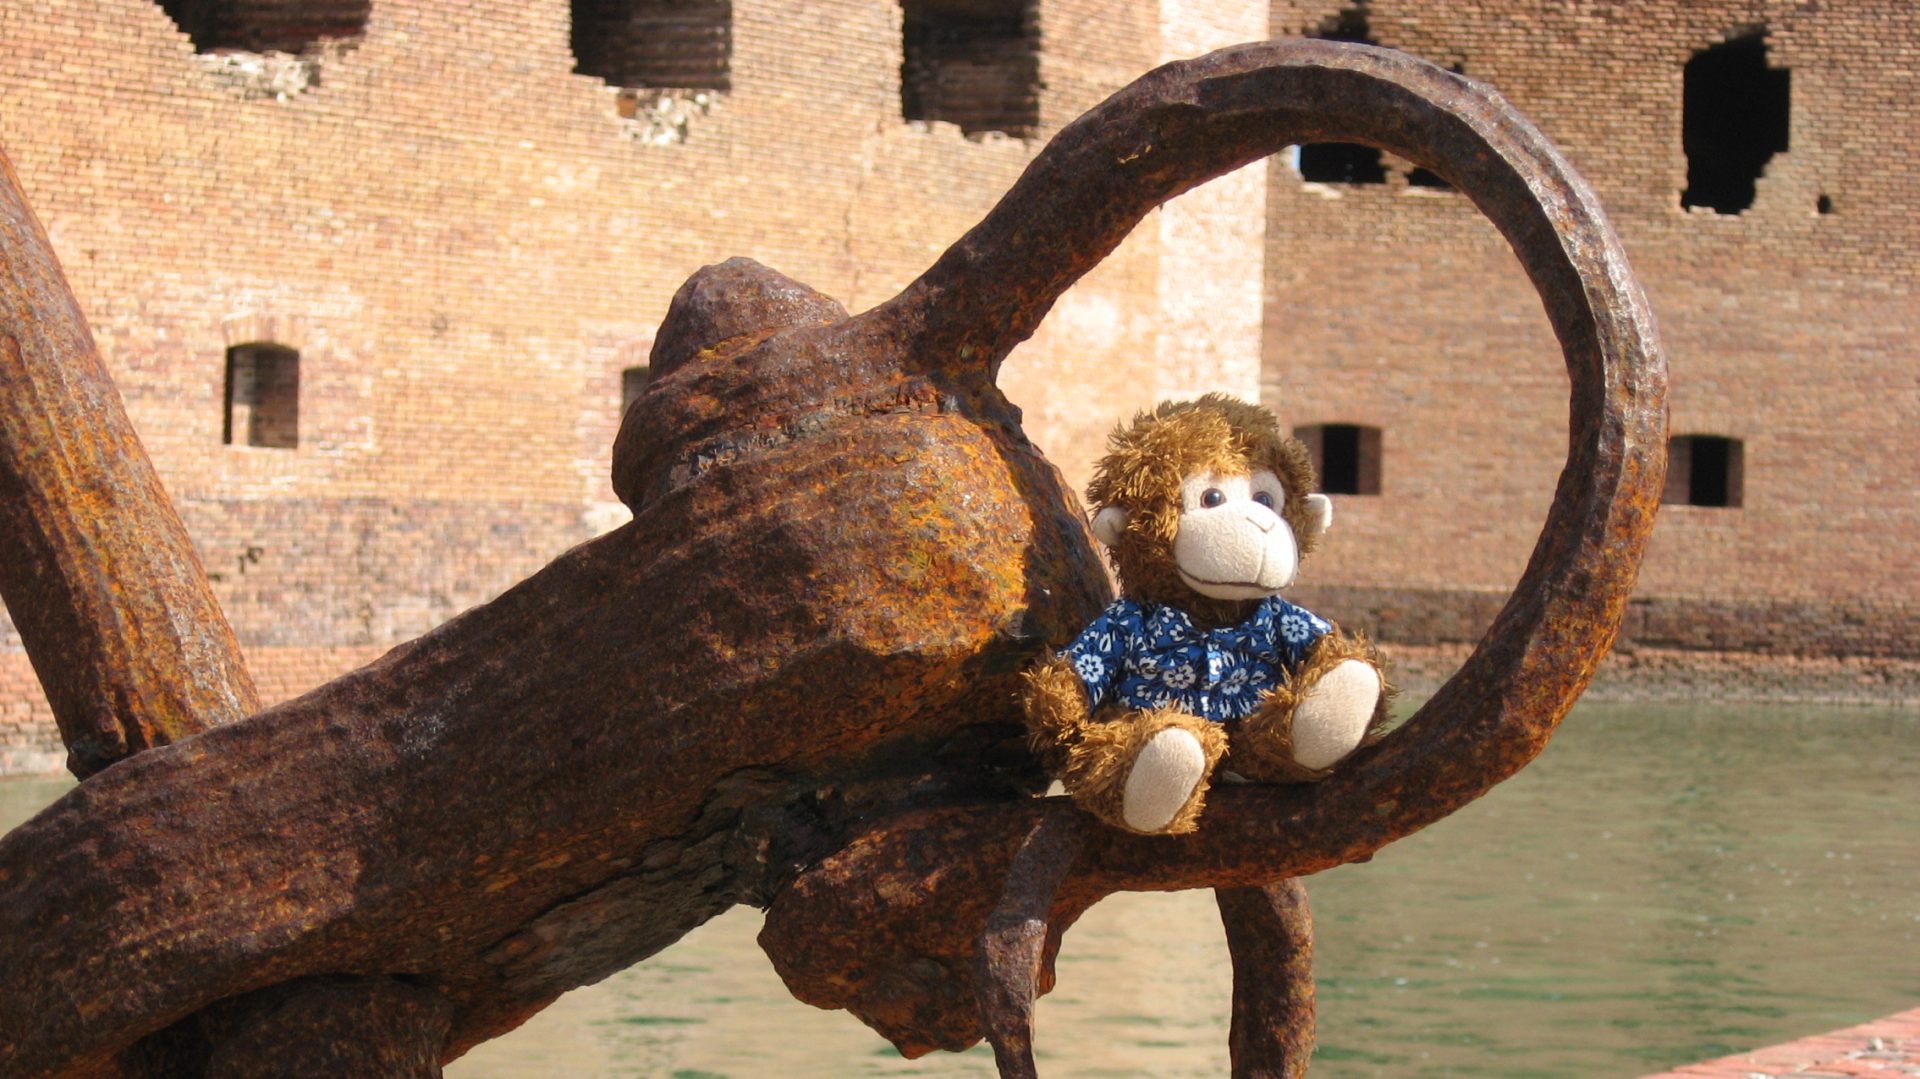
(1342, 162)
(633, 382)
(263, 396)
(655, 44)
(289, 26)
(1734, 114)
(1705, 470)
(1345, 455)
(975, 63)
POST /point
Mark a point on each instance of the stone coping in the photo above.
(1888, 1047)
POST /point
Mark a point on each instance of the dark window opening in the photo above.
(1343, 162)
(263, 396)
(975, 63)
(1346, 456)
(654, 44)
(290, 26)
(1705, 470)
(1823, 204)
(1349, 24)
(1733, 120)
(1421, 176)
(633, 382)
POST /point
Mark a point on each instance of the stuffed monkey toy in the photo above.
(1206, 509)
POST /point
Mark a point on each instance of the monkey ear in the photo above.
(1319, 515)
(1110, 524)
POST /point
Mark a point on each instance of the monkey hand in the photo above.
(1055, 702)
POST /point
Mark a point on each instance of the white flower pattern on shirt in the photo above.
(1090, 668)
(1147, 655)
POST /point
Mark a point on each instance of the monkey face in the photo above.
(1205, 505)
(1232, 542)
(1230, 539)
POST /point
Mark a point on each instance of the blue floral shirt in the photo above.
(1144, 655)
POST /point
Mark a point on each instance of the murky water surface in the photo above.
(1663, 885)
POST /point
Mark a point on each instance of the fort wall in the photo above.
(1791, 327)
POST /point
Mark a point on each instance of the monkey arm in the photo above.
(1060, 693)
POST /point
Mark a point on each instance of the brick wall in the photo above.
(467, 242)
(1792, 326)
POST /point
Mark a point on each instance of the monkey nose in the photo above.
(1263, 519)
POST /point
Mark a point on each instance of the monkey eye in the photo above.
(1263, 498)
(1212, 497)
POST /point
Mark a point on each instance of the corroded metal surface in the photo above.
(1014, 966)
(791, 674)
(823, 587)
(327, 1026)
(98, 573)
(865, 928)
(1270, 937)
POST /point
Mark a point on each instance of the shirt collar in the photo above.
(1172, 623)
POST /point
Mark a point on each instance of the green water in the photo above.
(1663, 885)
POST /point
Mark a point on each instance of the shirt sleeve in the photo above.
(1101, 648)
(1294, 630)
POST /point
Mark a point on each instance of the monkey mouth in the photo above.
(1195, 583)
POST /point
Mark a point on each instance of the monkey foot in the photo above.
(1165, 777)
(1334, 715)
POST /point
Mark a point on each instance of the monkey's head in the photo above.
(1207, 506)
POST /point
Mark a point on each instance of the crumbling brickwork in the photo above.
(1791, 325)
(467, 241)
(289, 26)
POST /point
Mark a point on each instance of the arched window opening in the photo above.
(1343, 162)
(1346, 456)
(633, 382)
(655, 44)
(289, 26)
(975, 63)
(1734, 112)
(1705, 470)
(263, 396)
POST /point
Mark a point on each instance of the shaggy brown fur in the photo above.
(1093, 756)
(1099, 761)
(1263, 741)
(1055, 701)
(1143, 469)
